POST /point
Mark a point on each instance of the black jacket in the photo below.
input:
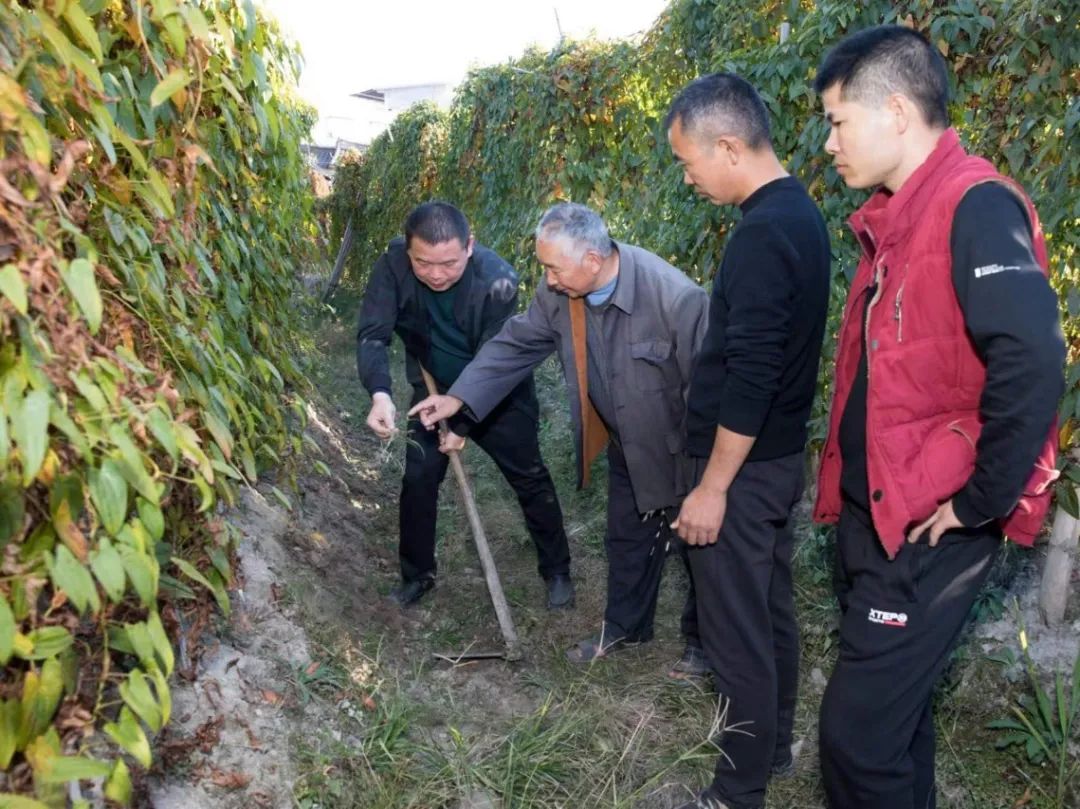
(486, 297)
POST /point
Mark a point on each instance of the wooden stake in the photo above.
(1057, 573)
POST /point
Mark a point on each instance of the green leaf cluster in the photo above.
(156, 209)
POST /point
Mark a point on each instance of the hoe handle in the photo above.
(498, 598)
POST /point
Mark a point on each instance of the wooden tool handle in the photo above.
(487, 561)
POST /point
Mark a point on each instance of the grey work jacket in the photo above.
(650, 360)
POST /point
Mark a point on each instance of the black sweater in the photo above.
(756, 374)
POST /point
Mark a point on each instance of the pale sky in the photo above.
(353, 46)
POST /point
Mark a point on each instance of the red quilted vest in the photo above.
(924, 374)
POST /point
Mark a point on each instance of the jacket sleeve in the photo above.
(505, 360)
(378, 315)
(499, 306)
(1011, 314)
(691, 314)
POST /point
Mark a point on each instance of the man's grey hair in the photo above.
(580, 229)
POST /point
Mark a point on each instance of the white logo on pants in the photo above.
(888, 618)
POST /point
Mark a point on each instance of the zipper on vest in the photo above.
(878, 290)
(898, 312)
(868, 347)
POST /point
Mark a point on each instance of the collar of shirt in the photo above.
(598, 297)
(771, 187)
(623, 296)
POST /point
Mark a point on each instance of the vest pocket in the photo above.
(948, 456)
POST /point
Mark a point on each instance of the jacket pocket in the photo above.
(654, 368)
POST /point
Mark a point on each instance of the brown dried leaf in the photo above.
(69, 532)
(208, 734)
(230, 780)
(74, 151)
(253, 740)
(107, 275)
(10, 194)
(1024, 799)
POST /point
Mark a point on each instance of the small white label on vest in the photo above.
(994, 269)
(888, 618)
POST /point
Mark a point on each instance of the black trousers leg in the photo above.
(688, 622)
(747, 620)
(425, 468)
(900, 619)
(509, 437)
(923, 750)
(635, 546)
(785, 629)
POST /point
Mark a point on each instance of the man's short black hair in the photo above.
(872, 64)
(436, 222)
(721, 104)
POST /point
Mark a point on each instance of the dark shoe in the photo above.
(784, 769)
(704, 801)
(560, 592)
(590, 649)
(691, 667)
(411, 591)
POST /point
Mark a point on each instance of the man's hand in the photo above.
(942, 520)
(382, 416)
(450, 441)
(701, 516)
(435, 408)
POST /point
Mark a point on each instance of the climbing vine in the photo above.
(153, 204)
(584, 122)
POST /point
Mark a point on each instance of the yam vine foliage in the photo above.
(584, 122)
(153, 200)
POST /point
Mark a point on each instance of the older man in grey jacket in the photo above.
(627, 326)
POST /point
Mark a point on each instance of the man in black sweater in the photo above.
(748, 405)
(445, 296)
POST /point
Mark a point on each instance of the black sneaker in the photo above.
(560, 592)
(784, 769)
(691, 667)
(411, 591)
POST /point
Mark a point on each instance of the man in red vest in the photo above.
(941, 435)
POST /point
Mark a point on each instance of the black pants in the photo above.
(746, 610)
(900, 619)
(509, 436)
(636, 546)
